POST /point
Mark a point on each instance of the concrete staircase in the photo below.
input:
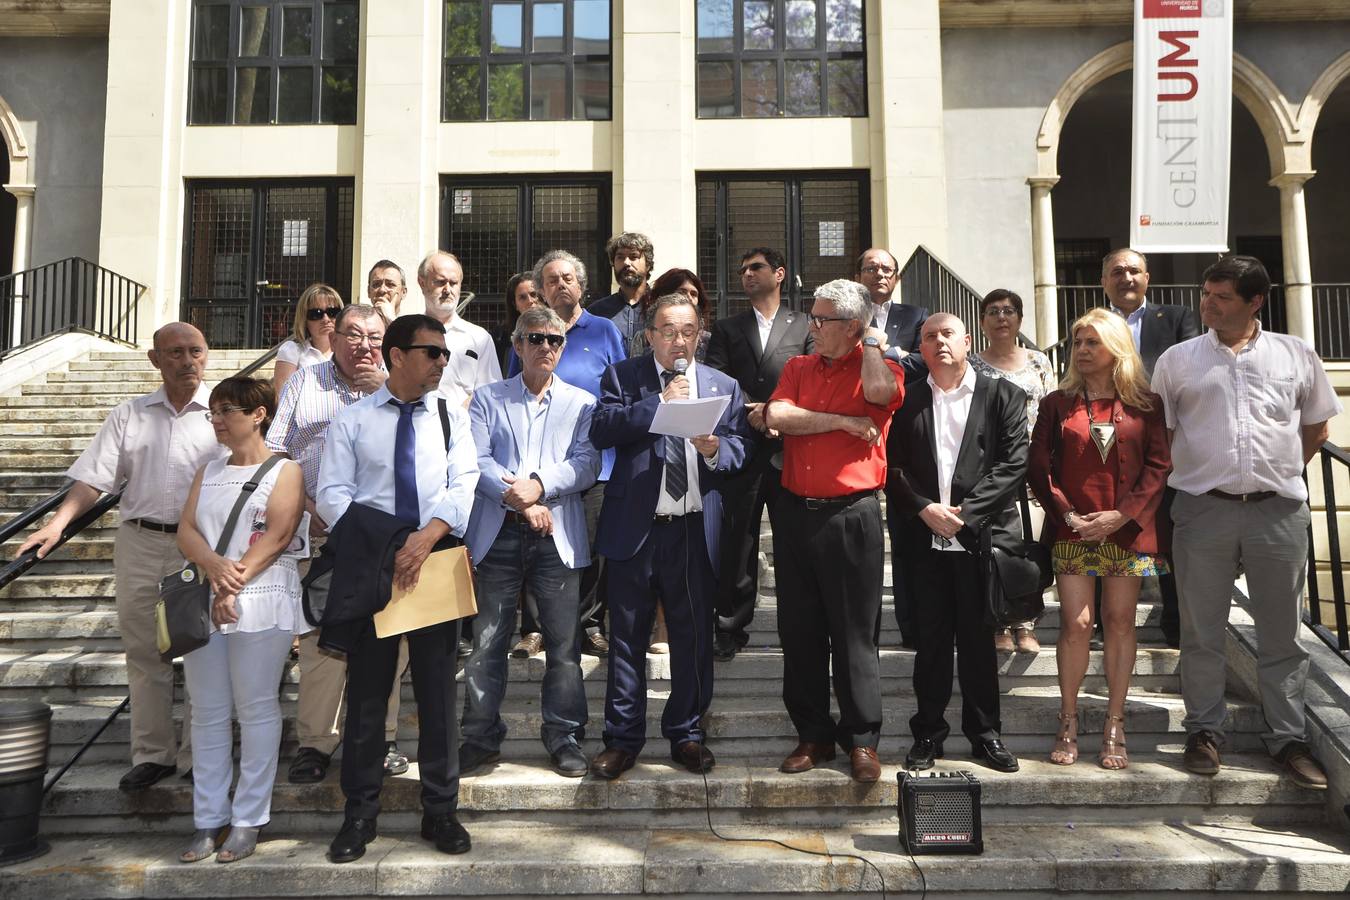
(1152, 829)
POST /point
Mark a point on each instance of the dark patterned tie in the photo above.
(677, 475)
(406, 505)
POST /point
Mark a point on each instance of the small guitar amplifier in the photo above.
(940, 813)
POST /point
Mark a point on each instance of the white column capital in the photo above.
(21, 190)
(1290, 179)
(1043, 182)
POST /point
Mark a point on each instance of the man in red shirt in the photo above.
(833, 409)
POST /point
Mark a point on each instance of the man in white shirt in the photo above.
(1246, 410)
(155, 444)
(473, 357)
(392, 452)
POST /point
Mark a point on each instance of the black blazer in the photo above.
(1163, 326)
(607, 307)
(990, 467)
(903, 326)
(734, 349)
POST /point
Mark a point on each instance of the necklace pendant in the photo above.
(1104, 436)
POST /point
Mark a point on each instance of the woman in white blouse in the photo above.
(255, 608)
(311, 337)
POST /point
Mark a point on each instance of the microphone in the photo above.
(681, 366)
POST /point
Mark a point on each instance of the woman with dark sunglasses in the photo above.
(316, 313)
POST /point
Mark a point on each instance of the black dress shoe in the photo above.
(309, 766)
(471, 757)
(725, 647)
(350, 843)
(693, 756)
(922, 754)
(612, 763)
(445, 832)
(994, 755)
(570, 762)
(144, 776)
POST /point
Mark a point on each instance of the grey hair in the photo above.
(361, 311)
(850, 299)
(666, 302)
(535, 318)
(425, 264)
(537, 275)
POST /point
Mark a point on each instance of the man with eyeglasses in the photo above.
(394, 452)
(311, 399)
(593, 344)
(752, 347)
(473, 357)
(833, 409)
(150, 448)
(528, 528)
(632, 256)
(386, 286)
(660, 532)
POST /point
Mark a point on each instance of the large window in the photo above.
(498, 226)
(281, 62)
(526, 59)
(764, 58)
(820, 223)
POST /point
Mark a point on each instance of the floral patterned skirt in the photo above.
(1104, 559)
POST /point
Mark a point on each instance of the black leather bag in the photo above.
(183, 612)
(1016, 575)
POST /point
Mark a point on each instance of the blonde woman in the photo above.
(1098, 463)
(316, 315)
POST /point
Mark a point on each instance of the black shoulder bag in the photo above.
(1016, 574)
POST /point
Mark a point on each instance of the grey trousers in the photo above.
(1270, 539)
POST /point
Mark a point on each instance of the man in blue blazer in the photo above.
(528, 524)
(660, 532)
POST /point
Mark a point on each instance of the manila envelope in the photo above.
(444, 592)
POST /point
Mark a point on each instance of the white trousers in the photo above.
(237, 673)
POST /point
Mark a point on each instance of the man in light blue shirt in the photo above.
(405, 453)
(529, 525)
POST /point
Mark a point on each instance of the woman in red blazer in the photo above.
(1099, 460)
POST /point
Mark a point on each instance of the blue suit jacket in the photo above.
(570, 463)
(630, 392)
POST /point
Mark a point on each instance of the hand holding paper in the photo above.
(689, 418)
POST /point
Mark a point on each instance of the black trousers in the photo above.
(744, 497)
(949, 608)
(371, 663)
(904, 609)
(828, 563)
(594, 601)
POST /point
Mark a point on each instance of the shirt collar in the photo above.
(688, 373)
(967, 385)
(200, 400)
(761, 318)
(851, 356)
(384, 397)
(1134, 316)
(544, 396)
(1213, 337)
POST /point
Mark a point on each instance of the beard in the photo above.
(630, 278)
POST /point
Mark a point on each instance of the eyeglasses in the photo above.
(536, 338)
(222, 412)
(356, 338)
(331, 312)
(673, 334)
(433, 352)
(752, 267)
(1001, 312)
(819, 321)
(884, 271)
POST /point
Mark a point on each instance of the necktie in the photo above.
(677, 476)
(406, 506)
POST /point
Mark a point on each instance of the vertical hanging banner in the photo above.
(1183, 96)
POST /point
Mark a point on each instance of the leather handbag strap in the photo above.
(249, 487)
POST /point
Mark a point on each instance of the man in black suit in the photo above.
(959, 443)
(632, 256)
(880, 274)
(1155, 327)
(751, 347)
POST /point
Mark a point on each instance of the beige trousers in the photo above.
(140, 559)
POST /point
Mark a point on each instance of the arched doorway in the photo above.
(1328, 197)
(9, 207)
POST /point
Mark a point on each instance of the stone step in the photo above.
(70, 398)
(84, 429)
(58, 391)
(25, 443)
(18, 462)
(240, 355)
(61, 584)
(141, 375)
(1146, 860)
(53, 414)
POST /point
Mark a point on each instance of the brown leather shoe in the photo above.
(866, 766)
(529, 645)
(612, 763)
(1202, 754)
(806, 757)
(1302, 767)
(693, 756)
(1003, 641)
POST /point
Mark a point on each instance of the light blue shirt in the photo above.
(1135, 320)
(358, 461)
(536, 418)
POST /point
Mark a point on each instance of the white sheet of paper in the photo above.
(689, 418)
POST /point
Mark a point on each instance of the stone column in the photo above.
(1298, 291)
(1043, 258)
(23, 227)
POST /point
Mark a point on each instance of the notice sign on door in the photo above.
(295, 237)
(831, 238)
(1183, 96)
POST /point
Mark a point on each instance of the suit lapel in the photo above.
(781, 320)
(749, 326)
(1149, 327)
(967, 457)
(516, 416)
(893, 318)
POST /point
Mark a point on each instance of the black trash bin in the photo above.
(25, 732)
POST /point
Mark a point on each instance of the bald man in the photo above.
(155, 444)
(473, 356)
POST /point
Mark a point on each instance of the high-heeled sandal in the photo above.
(1065, 752)
(1113, 745)
(240, 844)
(202, 845)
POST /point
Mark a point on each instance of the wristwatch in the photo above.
(1068, 515)
(871, 341)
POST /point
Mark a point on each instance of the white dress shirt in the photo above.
(155, 449)
(473, 360)
(765, 326)
(951, 409)
(1236, 417)
(536, 423)
(358, 461)
(1135, 320)
(880, 313)
(692, 501)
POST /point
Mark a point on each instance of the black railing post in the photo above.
(71, 294)
(1334, 548)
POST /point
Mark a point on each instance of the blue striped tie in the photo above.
(677, 475)
(406, 505)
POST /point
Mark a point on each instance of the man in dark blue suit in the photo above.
(661, 536)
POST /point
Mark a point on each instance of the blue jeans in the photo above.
(519, 557)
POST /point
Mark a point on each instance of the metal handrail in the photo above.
(68, 295)
(29, 558)
(33, 513)
(1338, 640)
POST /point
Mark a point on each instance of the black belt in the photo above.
(830, 502)
(1253, 497)
(162, 528)
(663, 519)
(515, 518)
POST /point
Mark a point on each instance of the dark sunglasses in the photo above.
(433, 352)
(554, 340)
(331, 312)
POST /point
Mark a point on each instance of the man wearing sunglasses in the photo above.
(528, 529)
